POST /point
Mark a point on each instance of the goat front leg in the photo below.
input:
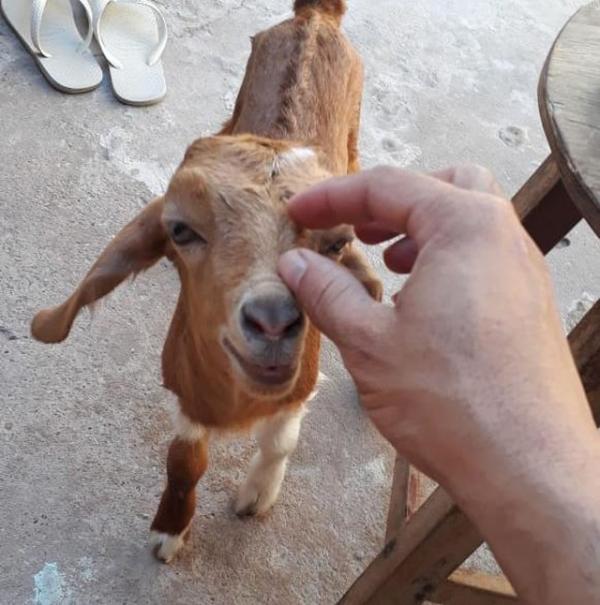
(186, 463)
(277, 438)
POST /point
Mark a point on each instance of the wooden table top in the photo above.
(569, 97)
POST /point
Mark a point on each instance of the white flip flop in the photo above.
(48, 31)
(133, 41)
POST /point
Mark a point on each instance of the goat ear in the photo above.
(356, 262)
(136, 248)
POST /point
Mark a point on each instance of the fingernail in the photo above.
(292, 267)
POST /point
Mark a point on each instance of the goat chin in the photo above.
(266, 389)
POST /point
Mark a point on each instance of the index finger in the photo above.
(386, 196)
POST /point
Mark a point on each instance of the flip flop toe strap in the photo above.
(156, 52)
(37, 13)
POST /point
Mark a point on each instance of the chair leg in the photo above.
(471, 588)
(545, 208)
(585, 345)
(434, 542)
(399, 505)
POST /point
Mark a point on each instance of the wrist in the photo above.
(533, 521)
(498, 453)
(547, 466)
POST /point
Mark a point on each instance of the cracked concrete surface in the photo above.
(84, 426)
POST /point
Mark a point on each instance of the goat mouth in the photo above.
(267, 375)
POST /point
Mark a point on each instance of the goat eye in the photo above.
(182, 235)
(337, 248)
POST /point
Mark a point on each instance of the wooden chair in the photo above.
(423, 552)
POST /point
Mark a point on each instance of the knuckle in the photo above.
(478, 171)
(382, 169)
(362, 346)
(496, 215)
(332, 311)
(383, 173)
(476, 177)
(498, 209)
(363, 336)
(329, 295)
(479, 215)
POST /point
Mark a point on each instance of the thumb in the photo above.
(335, 301)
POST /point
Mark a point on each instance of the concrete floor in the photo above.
(84, 426)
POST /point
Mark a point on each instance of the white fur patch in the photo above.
(167, 546)
(294, 157)
(320, 381)
(277, 438)
(313, 395)
(261, 489)
(187, 430)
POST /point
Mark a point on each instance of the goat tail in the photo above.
(335, 8)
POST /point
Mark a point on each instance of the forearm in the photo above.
(544, 528)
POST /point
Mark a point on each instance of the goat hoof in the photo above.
(252, 501)
(247, 502)
(250, 510)
(166, 546)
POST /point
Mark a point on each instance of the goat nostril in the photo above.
(250, 324)
(271, 319)
(253, 326)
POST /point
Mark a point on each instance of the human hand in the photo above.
(468, 374)
(471, 363)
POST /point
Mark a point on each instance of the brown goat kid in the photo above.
(239, 351)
